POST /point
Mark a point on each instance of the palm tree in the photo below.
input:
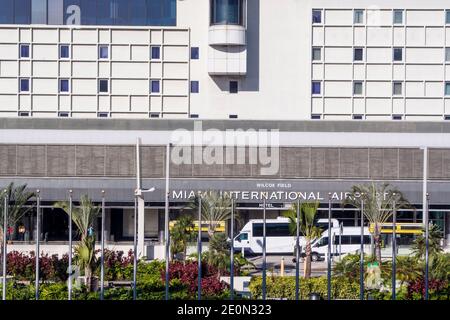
(218, 254)
(380, 201)
(18, 198)
(181, 234)
(308, 211)
(215, 208)
(434, 243)
(84, 217)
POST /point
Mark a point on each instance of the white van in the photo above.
(349, 241)
(278, 236)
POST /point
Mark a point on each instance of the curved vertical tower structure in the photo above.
(227, 38)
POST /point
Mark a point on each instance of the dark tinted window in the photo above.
(272, 230)
(194, 53)
(22, 11)
(7, 11)
(227, 12)
(233, 87)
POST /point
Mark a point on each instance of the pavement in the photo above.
(273, 263)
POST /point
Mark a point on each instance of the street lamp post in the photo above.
(264, 289)
(69, 287)
(5, 249)
(329, 249)
(199, 248)
(232, 252)
(102, 257)
(427, 245)
(394, 250)
(297, 254)
(38, 213)
(361, 254)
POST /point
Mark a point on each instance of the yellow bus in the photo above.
(220, 225)
(400, 228)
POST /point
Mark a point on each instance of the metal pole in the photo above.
(5, 249)
(166, 227)
(264, 253)
(329, 249)
(135, 250)
(38, 213)
(199, 247)
(427, 245)
(394, 251)
(70, 246)
(232, 252)
(297, 255)
(361, 255)
(102, 257)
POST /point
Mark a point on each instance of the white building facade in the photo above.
(220, 59)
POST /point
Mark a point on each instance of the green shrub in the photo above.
(284, 288)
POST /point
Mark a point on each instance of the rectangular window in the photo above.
(358, 16)
(398, 16)
(316, 87)
(24, 85)
(233, 87)
(357, 88)
(398, 54)
(154, 87)
(317, 16)
(315, 116)
(195, 116)
(103, 86)
(63, 85)
(233, 116)
(357, 117)
(397, 117)
(447, 17)
(195, 87)
(24, 51)
(24, 114)
(103, 114)
(358, 54)
(155, 53)
(154, 115)
(447, 88)
(397, 89)
(317, 54)
(63, 114)
(447, 54)
(64, 52)
(195, 53)
(103, 52)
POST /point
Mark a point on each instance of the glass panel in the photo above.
(447, 89)
(24, 85)
(103, 52)
(227, 12)
(398, 16)
(138, 12)
(120, 12)
(233, 87)
(39, 11)
(64, 51)
(317, 54)
(105, 10)
(398, 54)
(103, 87)
(88, 12)
(447, 54)
(64, 85)
(397, 88)
(447, 17)
(195, 53)
(24, 51)
(358, 16)
(194, 86)
(316, 88)
(358, 55)
(155, 86)
(7, 11)
(22, 11)
(155, 54)
(357, 89)
(317, 16)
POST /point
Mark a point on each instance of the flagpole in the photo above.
(70, 247)
(232, 252)
(102, 257)
(264, 284)
(297, 255)
(199, 247)
(5, 249)
(38, 213)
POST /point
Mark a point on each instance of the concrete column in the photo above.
(141, 227)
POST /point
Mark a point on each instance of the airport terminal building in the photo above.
(275, 100)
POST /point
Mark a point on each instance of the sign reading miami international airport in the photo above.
(260, 195)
